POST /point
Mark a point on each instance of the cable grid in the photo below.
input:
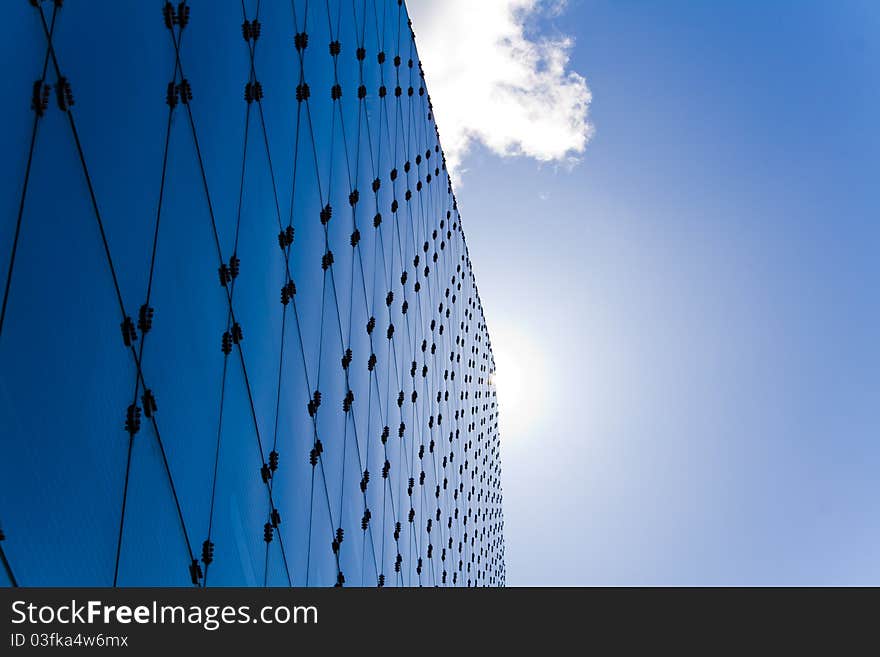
(347, 435)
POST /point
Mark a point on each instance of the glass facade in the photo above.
(241, 339)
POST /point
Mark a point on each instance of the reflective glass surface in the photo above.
(241, 340)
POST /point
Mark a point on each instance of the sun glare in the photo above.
(519, 379)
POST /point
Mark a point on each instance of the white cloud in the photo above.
(491, 82)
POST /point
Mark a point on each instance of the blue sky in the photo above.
(689, 314)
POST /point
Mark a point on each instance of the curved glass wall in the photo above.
(241, 339)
